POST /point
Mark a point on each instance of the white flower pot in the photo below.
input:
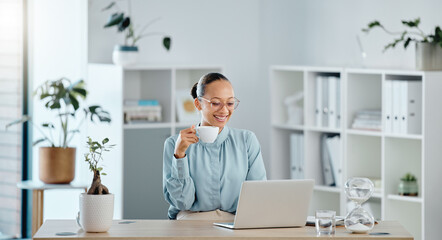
(125, 55)
(96, 212)
(428, 56)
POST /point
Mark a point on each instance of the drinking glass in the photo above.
(325, 222)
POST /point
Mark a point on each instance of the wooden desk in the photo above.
(38, 197)
(188, 229)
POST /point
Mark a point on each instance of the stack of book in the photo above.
(331, 160)
(368, 120)
(403, 108)
(141, 111)
(327, 102)
(297, 156)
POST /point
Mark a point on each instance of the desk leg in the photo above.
(37, 209)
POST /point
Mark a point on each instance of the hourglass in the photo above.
(359, 190)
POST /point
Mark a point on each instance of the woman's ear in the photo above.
(197, 104)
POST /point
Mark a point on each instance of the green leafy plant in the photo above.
(412, 34)
(93, 157)
(124, 24)
(64, 98)
(408, 177)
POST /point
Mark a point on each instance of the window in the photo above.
(11, 97)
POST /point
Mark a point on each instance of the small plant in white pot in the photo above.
(97, 205)
(127, 54)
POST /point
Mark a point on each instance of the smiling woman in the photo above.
(202, 180)
(11, 82)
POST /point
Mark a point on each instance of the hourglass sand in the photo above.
(359, 190)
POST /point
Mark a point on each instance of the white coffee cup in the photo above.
(207, 134)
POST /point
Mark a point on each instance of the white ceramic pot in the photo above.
(96, 212)
(428, 56)
(125, 55)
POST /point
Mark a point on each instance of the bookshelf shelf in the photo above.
(365, 97)
(289, 127)
(147, 125)
(377, 195)
(327, 189)
(405, 198)
(364, 132)
(404, 136)
(322, 129)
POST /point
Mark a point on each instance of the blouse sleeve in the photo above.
(178, 186)
(256, 164)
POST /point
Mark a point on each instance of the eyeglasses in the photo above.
(216, 105)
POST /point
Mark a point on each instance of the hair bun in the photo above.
(193, 91)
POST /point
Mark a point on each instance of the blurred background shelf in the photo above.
(289, 127)
(405, 198)
(327, 189)
(147, 125)
(384, 153)
(363, 132)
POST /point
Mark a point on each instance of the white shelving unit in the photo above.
(374, 154)
(136, 161)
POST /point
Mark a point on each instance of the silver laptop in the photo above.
(272, 203)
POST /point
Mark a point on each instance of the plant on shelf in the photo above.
(97, 205)
(126, 54)
(428, 46)
(408, 177)
(413, 34)
(408, 185)
(63, 98)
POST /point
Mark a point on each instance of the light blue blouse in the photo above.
(209, 177)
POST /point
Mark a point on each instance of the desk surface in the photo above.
(192, 229)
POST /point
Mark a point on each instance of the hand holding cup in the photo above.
(187, 136)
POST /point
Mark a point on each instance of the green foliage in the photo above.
(64, 98)
(412, 34)
(94, 155)
(124, 24)
(409, 177)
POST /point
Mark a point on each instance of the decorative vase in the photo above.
(428, 56)
(96, 212)
(125, 55)
(56, 165)
(408, 188)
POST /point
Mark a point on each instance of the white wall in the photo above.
(323, 32)
(57, 48)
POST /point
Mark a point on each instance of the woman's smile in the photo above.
(221, 118)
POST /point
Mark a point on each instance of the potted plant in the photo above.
(408, 185)
(127, 53)
(97, 205)
(63, 98)
(428, 46)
